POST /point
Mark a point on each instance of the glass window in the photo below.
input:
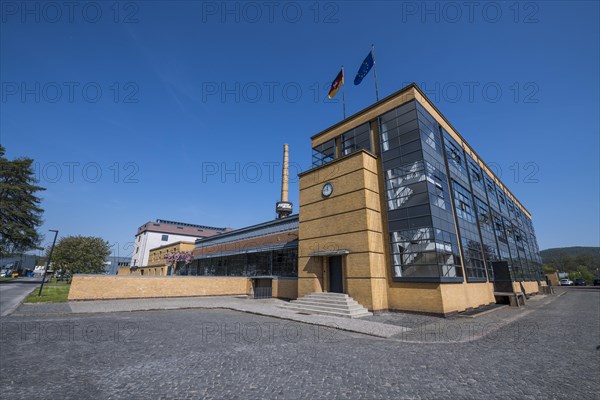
(499, 228)
(323, 153)
(398, 125)
(486, 226)
(164, 238)
(517, 265)
(454, 152)
(510, 205)
(490, 189)
(469, 233)
(464, 204)
(501, 200)
(357, 139)
(264, 263)
(430, 133)
(476, 175)
(417, 253)
(285, 262)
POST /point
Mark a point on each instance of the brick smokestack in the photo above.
(284, 207)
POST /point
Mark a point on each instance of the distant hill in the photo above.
(549, 255)
(578, 262)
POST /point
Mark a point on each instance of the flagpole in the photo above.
(375, 72)
(343, 92)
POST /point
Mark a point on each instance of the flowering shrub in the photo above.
(175, 258)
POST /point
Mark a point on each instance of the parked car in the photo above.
(597, 282)
(63, 276)
(579, 282)
(566, 282)
(6, 273)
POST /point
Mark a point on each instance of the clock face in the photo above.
(327, 189)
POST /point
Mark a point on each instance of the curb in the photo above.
(484, 312)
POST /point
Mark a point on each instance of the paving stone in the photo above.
(547, 352)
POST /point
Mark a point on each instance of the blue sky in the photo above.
(178, 110)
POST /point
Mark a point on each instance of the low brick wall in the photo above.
(285, 288)
(101, 287)
(529, 286)
(553, 277)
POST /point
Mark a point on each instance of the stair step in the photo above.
(337, 313)
(347, 301)
(316, 307)
(303, 302)
(334, 304)
(329, 294)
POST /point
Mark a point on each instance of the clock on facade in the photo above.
(327, 189)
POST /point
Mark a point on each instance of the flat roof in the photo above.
(180, 228)
(263, 228)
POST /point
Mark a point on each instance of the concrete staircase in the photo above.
(333, 304)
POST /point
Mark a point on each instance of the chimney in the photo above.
(284, 207)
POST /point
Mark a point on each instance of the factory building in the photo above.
(398, 212)
(401, 213)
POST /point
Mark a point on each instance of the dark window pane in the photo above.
(323, 153)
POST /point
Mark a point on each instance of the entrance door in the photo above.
(335, 274)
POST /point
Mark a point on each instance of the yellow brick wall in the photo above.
(379, 290)
(438, 298)
(348, 220)
(530, 287)
(87, 287)
(360, 289)
(459, 297)
(553, 278)
(123, 271)
(284, 288)
(412, 296)
(308, 285)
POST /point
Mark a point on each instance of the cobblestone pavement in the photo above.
(265, 307)
(549, 352)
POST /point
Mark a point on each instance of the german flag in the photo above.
(337, 83)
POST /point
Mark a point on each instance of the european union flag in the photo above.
(364, 69)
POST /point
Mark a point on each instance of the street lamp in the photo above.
(48, 261)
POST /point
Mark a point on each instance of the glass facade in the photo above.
(435, 189)
(420, 221)
(264, 263)
(352, 141)
(488, 238)
(469, 233)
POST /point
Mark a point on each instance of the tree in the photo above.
(20, 214)
(175, 258)
(577, 262)
(80, 255)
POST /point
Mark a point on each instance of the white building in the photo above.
(161, 232)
